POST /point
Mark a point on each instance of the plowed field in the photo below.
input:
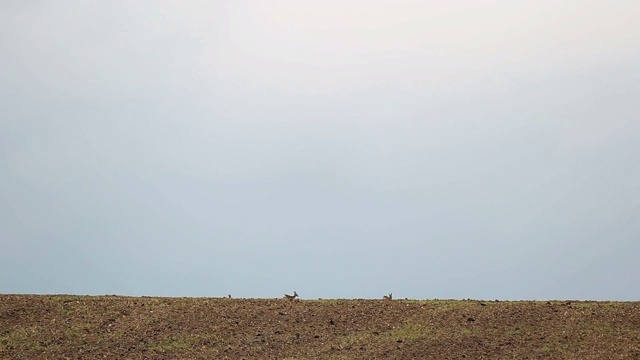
(115, 327)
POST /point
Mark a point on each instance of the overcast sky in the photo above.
(343, 149)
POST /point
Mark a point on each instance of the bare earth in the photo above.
(116, 327)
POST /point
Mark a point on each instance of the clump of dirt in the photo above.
(83, 327)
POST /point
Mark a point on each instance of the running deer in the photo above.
(388, 297)
(291, 297)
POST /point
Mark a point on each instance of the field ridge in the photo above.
(84, 327)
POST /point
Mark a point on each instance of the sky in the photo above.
(342, 149)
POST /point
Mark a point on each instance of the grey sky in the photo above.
(479, 149)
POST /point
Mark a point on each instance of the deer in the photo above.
(388, 297)
(291, 297)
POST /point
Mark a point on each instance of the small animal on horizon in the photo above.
(291, 297)
(388, 297)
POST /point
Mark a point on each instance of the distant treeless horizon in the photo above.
(432, 149)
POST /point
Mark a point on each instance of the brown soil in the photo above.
(87, 327)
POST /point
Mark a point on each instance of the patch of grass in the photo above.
(171, 344)
(25, 339)
(409, 332)
(184, 341)
(19, 336)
